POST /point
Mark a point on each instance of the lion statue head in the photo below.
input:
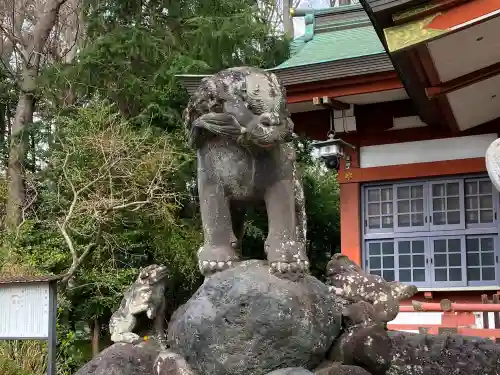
(244, 103)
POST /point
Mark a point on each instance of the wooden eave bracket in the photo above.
(330, 103)
(342, 114)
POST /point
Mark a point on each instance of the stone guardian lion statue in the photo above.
(239, 124)
(493, 163)
(146, 296)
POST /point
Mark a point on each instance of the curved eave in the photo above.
(450, 65)
(380, 13)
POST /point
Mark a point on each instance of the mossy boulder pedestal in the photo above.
(245, 320)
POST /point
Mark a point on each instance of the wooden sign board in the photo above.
(24, 311)
(28, 311)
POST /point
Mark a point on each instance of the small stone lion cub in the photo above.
(145, 295)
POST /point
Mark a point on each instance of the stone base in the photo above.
(123, 359)
(245, 320)
(413, 353)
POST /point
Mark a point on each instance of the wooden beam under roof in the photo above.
(330, 103)
(436, 25)
(425, 10)
(463, 81)
(343, 87)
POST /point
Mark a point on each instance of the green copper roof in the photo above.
(335, 45)
(338, 37)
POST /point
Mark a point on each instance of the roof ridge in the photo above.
(350, 39)
(326, 19)
(344, 24)
(301, 12)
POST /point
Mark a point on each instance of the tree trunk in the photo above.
(46, 16)
(287, 19)
(96, 336)
(8, 132)
(33, 151)
(3, 128)
(17, 150)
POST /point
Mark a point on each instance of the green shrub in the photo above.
(9, 367)
(22, 357)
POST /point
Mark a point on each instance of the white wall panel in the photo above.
(473, 146)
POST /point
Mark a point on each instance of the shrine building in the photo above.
(415, 86)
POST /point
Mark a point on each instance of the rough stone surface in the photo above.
(245, 320)
(349, 281)
(335, 368)
(291, 371)
(418, 354)
(493, 163)
(170, 363)
(367, 347)
(122, 359)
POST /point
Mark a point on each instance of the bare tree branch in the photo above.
(14, 39)
(107, 171)
(46, 17)
(77, 261)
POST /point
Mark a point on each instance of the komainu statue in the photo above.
(350, 281)
(239, 124)
(146, 296)
(493, 163)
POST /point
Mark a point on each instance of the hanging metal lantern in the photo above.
(331, 151)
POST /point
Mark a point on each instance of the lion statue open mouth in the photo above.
(239, 124)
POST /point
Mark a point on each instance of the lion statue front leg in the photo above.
(220, 243)
(226, 183)
(285, 245)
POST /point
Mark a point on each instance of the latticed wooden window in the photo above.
(436, 233)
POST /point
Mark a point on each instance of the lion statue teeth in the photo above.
(239, 124)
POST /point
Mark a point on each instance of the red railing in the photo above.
(456, 318)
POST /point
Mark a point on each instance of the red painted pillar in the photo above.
(350, 221)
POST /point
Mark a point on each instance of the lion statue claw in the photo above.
(241, 128)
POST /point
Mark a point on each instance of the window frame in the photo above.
(463, 262)
(461, 201)
(426, 255)
(465, 231)
(381, 256)
(495, 203)
(365, 210)
(496, 242)
(396, 213)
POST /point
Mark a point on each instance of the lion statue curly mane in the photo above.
(239, 103)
